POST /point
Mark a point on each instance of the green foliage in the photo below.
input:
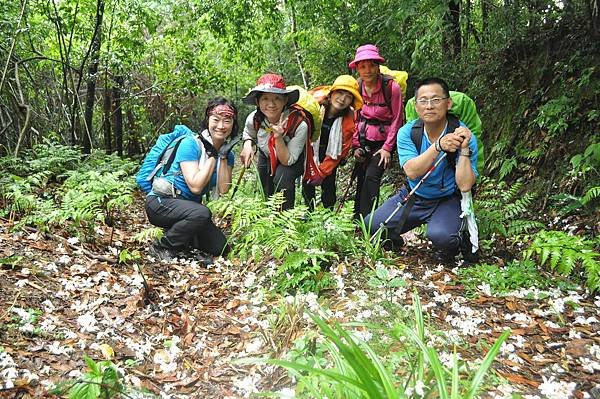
(566, 254)
(148, 234)
(587, 162)
(343, 366)
(556, 115)
(92, 190)
(126, 256)
(51, 158)
(501, 209)
(305, 242)
(102, 381)
(304, 271)
(91, 196)
(370, 247)
(383, 277)
(507, 167)
(502, 280)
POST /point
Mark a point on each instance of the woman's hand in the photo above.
(278, 130)
(386, 157)
(247, 153)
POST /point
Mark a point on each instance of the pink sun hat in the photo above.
(366, 52)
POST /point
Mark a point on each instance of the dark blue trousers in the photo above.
(442, 217)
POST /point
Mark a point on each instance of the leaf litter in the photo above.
(177, 329)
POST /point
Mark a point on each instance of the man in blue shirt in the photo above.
(437, 200)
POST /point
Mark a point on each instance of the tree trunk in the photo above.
(453, 39)
(106, 121)
(91, 81)
(133, 146)
(299, 60)
(485, 12)
(118, 114)
(595, 16)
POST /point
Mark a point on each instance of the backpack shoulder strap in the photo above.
(386, 87)
(296, 117)
(166, 158)
(416, 134)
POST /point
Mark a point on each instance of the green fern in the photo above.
(502, 209)
(304, 242)
(148, 234)
(507, 167)
(303, 271)
(564, 253)
(591, 194)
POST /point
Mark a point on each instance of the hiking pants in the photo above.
(328, 195)
(441, 215)
(186, 223)
(284, 179)
(368, 182)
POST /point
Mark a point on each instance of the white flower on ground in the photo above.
(507, 348)
(585, 321)
(551, 324)
(65, 259)
(485, 288)
(589, 365)
(286, 393)
(553, 389)
(254, 345)
(21, 283)
(247, 386)
(520, 318)
(87, 323)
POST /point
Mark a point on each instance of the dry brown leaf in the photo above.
(519, 379)
(578, 347)
(540, 348)
(234, 303)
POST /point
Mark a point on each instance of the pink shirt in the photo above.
(372, 111)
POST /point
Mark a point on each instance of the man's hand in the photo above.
(386, 157)
(458, 139)
(247, 153)
(211, 151)
(465, 134)
(226, 148)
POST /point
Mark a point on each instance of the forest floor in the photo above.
(181, 338)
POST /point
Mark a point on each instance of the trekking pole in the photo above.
(406, 199)
(352, 178)
(237, 183)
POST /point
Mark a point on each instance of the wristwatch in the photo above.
(465, 152)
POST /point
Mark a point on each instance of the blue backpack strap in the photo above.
(166, 158)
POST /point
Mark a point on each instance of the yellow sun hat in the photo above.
(348, 83)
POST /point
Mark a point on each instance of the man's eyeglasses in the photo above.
(432, 101)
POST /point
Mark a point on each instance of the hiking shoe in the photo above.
(161, 253)
(470, 257)
(444, 258)
(206, 260)
(199, 256)
(393, 244)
